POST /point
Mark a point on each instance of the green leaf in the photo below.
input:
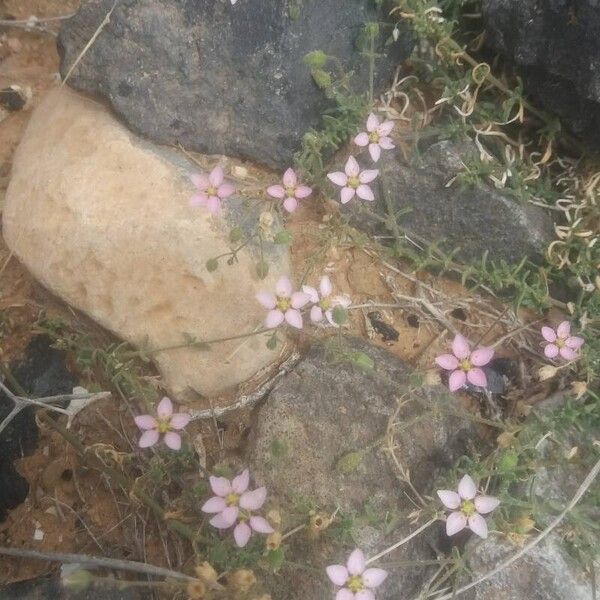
(262, 269)
(275, 559)
(236, 234)
(212, 264)
(315, 59)
(339, 314)
(349, 462)
(362, 361)
(282, 237)
(272, 342)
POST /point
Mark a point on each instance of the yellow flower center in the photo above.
(163, 426)
(559, 342)
(465, 365)
(290, 192)
(355, 583)
(467, 508)
(283, 304)
(353, 182)
(231, 499)
(374, 137)
(211, 190)
(325, 303)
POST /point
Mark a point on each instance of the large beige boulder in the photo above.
(103, 220)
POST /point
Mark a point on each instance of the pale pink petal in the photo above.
(290, 204)
(316, 314)
(342, 301)
(289, 178)
(164, 410)
(364, 595)
(344, 594)
(283, 288)
(198, 199)
(551, 350)
(216, 177)
(226, 518)
(241, 534)
(220, 486)
(311, 292)
(274, 319)
(213, 205)
(549, 334)
(240, 483)
(564, 329)
(374, 151)
(148, 438)
(372, 123)
(338, 574)
(267, 300)
(216, 504)
(362, 139)
(456, 380)
(356, 562)
(385, 128)
(338, 178)
(447, 361)
(568, 353)
(449, 499)
(253, 500)
(352, 169)
(368, 175)
(364, 192)
(574, 342)
(467, 488)
(486, 504)
(276, 191)
(329, 317)
(325, 286)
(373, 578)
(455, 522)
(180, 420)
(478, 525)
(200, 181)
(173, 440)
(481, 356)
(299, 299)
(225, 190)
(294, 318)
(260, 524)
(460, 347)
(347, 194)
(386, 143)
(303, 191)
(477, 377)
(145, 422)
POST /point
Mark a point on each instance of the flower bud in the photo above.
(432, 377)
(273, 541)
(206, 573)
(196, 590)
(76, 580)
(579, 388)
(318, 523)
(241, 580)
(547, 372)
(274, 518)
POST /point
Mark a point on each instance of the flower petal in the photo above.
(225, 190)
(563, 330)
(253, 500)
(226, 518)
(290, 204)
(293, 318)
(352, 169)
(386, 143)
(338, 178)
(148, 438)
(478, 525)
(347, 194)
(216, 504)
(385, 128)
(486, 504)
(460, 347)
(374, 151)
(568, 353)
(467, 488)
(180, 420)
(316, 314)
(299, 299)
(311, 292)
(574, 342)
(200, 181)
(364, 595)
(477, 377)
(276, 191)
(260, 524)
(345, 594)
(456, 380)
(364, 192)
(303, 191)
(337, 573)
(283, 288)
(267, 299)
(274, 319)
(447, 361)
(289, 178)
(164, 410)
(173, 440)
(240, 483)
(372, 123)
(362, 139)
(325, 286)
(549, 334)
(368, 175)
(213, 205)
(220, 485)
(216, 177)
(356, 562)
(455, 522)
(241, 534)
(551, 350)
(449, 499)
(481, 356)
(373, 578)
(198, 199)
(145, 422)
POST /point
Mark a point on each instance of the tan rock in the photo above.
(102, 219)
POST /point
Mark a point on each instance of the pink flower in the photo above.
(464, 364)
(355, 580)
(290, 190)
(561, 342)
(467, 507)
(211, 190)
(283, 305)
(233, 503)
(164, 423)
(324, 303)
(376, 137)
(354, 181)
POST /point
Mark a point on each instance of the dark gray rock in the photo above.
(557, 45)
(474, 219)
(218, 78)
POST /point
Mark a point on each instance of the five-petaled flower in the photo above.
(323, 301)
(467, 508)
(561, 342)
(354, 181)
(284, 304)
(465, 364)
(233, 503)
(376, 136)
(290, 192)
(355, 580)
(165, 423)
(211, 190)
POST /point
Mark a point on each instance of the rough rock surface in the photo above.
(220, 78)
(327, 419)
(103, 220)
(474, 219)
(557, 45)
